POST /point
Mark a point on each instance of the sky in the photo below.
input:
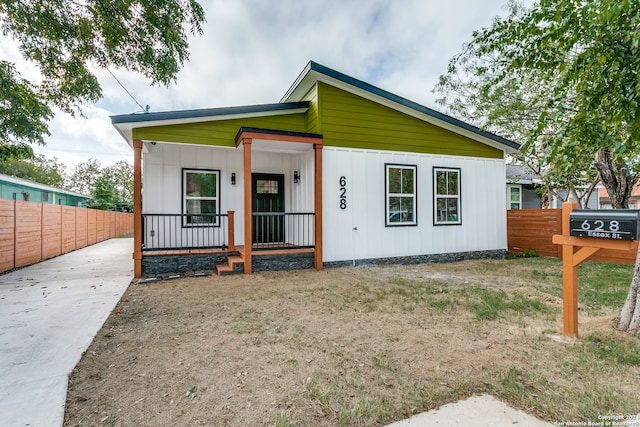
(253, 50)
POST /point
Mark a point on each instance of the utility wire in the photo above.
(144, 110)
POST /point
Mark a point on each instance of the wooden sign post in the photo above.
(608, 230)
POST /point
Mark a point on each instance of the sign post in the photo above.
(604, 229)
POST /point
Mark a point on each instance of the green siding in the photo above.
(347, 120)
(13, 191)
(220, 132)
(313, 119)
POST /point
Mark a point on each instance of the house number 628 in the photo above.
(343, 192)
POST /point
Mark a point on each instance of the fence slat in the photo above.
(31, 232)
(534, 228)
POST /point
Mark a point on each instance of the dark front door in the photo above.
(268, 208)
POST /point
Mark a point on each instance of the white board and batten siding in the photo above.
(162, 178)
(359, 232)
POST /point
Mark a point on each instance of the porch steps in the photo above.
(229, 266)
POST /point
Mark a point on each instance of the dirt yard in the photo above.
(359, 346)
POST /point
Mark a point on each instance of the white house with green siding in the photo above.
(339, 172)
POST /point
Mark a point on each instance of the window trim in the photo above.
(436, 196)
(387, 195)
(216, 221)
(509, 201)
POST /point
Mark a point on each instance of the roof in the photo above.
(316, 72)
(37, 185)
(292, 102)
(126, 122)
(520, 174)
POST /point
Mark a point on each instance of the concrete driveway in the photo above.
(49, 314)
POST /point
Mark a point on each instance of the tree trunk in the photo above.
(616, 178)
(629, 319)
(619, 183)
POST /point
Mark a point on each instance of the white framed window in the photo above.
(514, 197)
(200, 195)
(446, 193)
(400, 189)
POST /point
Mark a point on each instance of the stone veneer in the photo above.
(166, 264)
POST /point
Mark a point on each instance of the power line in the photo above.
(144, 110)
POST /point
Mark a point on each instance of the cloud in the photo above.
(252, 51)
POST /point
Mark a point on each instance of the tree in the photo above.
(103, 195)
(121, 174)
(478, 90)
(88, 175)
(37, 169)
(584, 60)
(64, 39)
(84, 175)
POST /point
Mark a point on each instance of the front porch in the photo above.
(261, 231)
(211, 244)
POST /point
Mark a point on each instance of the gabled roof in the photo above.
(314, 72)
(292, 103)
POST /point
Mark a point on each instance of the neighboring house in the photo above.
(522, 185)
(339, 172)
(23, 189)
(524, 191)
(605, 200)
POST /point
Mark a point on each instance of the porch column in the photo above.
(317, 196)
(137, 208)
(248, 208)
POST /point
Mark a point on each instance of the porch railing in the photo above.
(186, 231)
(271, 230)
(283, 230)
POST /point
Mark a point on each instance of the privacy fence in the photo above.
(31, 232)
(534, 228)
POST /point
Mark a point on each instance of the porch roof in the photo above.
(124, 123)
(279, 140)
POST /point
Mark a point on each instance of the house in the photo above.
(522, 185)
(339, 172)
(524, 191)
(605, 201)
(23, 189)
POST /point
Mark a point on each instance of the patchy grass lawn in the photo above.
(358, 347)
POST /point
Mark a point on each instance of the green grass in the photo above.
(492, 304)
(614, 349)
(600, 285)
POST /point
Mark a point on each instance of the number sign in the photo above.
(605, 224)
(343, 193)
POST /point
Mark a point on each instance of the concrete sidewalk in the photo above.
(49, 314)
(476, 411)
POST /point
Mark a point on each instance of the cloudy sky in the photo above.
(252, 51)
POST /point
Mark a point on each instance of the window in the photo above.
(45, 197)
(446, 192)
(401, 195)
(266, 186)
(201, 195)
(514, 197)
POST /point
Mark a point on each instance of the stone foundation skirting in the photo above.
(180, 264)
(419, 259)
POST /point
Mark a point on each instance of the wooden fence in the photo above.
(31, 232)
(533, 229)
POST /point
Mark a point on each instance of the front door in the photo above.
(268, 208)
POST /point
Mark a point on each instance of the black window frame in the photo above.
(387, 195)
(437, 196)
